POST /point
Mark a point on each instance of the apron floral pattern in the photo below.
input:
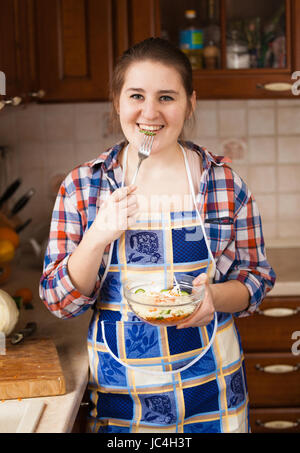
(209, 396)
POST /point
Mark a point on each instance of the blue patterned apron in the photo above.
(146, 378)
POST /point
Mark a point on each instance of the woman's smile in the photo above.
(149, 128)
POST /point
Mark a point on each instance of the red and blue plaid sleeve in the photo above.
(250, 265)
(69, 219)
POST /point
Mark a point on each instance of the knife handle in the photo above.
(17, 337)
(21, 227)
(10, 191)
(21, 202)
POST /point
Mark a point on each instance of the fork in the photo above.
(144, 152)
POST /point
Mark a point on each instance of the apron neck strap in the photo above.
(124, 163)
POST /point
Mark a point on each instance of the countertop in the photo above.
(70, 335)
(285, 260)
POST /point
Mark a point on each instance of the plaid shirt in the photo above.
(232, 225)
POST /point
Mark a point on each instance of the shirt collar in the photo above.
(109, 159)
(208, 158)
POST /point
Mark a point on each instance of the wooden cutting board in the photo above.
(31, 369)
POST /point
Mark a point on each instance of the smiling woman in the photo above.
(145, 378)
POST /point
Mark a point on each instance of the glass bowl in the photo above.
(155, 304)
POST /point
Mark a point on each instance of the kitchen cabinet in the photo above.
(272, 361)
(78, 41)
(74, 41)
(225, 83)
(17, 59)
(65, 50)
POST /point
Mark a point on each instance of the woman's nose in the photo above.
(150, 109)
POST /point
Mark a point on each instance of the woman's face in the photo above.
(153, 98)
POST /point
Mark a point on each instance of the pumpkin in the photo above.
(9, 313)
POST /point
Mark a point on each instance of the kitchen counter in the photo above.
(285, 261)
(69, 337)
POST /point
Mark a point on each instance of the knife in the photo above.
(17, 337)
(21, 202)
(21, 227)
(10, 191)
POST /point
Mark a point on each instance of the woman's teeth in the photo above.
(143, 127)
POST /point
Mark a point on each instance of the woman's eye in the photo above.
(136, 96)
(166, 98)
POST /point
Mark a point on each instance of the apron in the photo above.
(157, 379)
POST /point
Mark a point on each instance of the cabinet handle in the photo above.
(276, 86)
(278, 424)
(15, 101)
(37, 94)
(279, 312)
(278, 368)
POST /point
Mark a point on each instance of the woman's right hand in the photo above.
(116, 214)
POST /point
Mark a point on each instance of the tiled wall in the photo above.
(261, 137)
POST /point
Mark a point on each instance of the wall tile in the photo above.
(232, 122)
(30, 123)
(61, 157)
(261, 121)
(262, 179)
(288, 120)
(267, 206)
(206, 122)
(262, 150)
(235, 149)
(8, 128)
(289, 150)
(60, 122)
(289, 178)
(259, 103)
(88, 122)
(289, 207)
(270, 229)
(288, 229)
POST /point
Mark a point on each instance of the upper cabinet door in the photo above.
(74, 46)
(17, 59)
(241, 49)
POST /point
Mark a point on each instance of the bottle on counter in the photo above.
(191, 39)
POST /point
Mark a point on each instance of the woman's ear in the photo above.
(193, 103)
(191, 106)
(117, 107)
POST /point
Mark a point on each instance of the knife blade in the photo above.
(11, 189)
(17, 337)
(21, 202)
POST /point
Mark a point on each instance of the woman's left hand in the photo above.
(205, 312)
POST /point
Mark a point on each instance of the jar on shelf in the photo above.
(211, 56)
(237, 55)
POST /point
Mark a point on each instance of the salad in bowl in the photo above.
(152, 302)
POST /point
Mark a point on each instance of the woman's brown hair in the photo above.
(153, 49)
